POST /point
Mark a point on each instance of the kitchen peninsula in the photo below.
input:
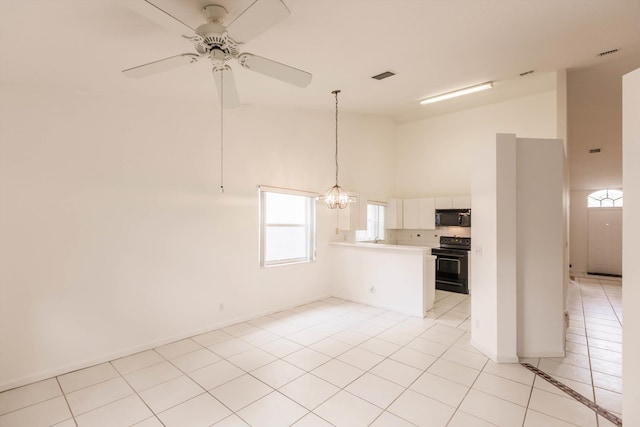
(395, 277)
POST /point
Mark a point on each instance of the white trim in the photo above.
(492, 355)
(290, 191)
(43, 375)
(309, 226)
(378, 305)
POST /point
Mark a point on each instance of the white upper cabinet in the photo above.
(461, 202)
(354, 216)
(427, 214)
(410, 213)
(453, 202)
(419, 214)
(393, 214)
(444, 202)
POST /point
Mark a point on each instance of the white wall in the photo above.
(594, 121)
(429, 150)
(540, 250)
(114, 236)
(630, 265)
(518, 249)
(493, 238)
(578, 224)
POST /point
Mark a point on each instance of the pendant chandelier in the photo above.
(336, 196)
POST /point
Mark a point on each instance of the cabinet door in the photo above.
(344, 218)
(354, 216)
(444, 202)
(359, 213)
(410, 213)
(427, 214)
(461, 202)
(393, 214)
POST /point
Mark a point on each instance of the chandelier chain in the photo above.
(336, 92)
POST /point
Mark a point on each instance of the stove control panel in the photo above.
(455, 242)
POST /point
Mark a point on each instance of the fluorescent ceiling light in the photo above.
(459, 92)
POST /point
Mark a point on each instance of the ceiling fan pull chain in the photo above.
(221, 131)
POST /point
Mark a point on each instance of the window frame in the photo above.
(309, 226)
(593, 198)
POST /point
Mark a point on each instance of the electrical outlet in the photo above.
(221, 306)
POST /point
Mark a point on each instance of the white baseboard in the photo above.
(378, 305)
(50, 373)
(544, 354)
(493, 356)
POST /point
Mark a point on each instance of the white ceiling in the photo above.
(434, 46)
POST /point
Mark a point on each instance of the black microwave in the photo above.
(453, 217)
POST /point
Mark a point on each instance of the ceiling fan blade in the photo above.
(226, 85)
(257, 18)
(159, 16)
(160, 65)
(275, 69)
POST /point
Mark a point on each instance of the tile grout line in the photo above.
(73, 417)
(586, 338)
(135, 392)
(604, 293)
(466, 394)
(615, 312)
(533, 384)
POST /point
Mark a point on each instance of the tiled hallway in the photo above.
(593, 364)
(335, 362)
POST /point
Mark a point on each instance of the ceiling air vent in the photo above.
(526, 73)
(384, 75)
(607, 52)
(594, 150)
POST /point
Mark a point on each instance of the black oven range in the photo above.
(452, 264)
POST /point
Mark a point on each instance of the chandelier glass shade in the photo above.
(337, 197)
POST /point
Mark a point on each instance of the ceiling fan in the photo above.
(214, 40)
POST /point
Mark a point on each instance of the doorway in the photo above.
(604, 241)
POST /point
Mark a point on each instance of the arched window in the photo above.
(605, 199)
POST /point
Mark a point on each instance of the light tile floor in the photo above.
(593, 362)
(335, 362)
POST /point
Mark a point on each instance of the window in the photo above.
(287, 226)
(605, 199)
(375, 224)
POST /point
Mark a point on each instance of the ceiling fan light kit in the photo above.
(337, 197)
(456, 93)
(213, 40)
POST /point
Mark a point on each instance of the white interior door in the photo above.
(605, 241)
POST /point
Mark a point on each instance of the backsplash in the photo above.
(430, 238)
